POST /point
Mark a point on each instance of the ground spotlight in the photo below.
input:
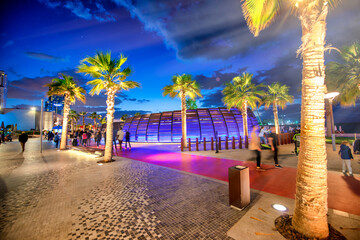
(279, 207)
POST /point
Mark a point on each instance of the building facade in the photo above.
(200, 123)
(54, 104)
(3, 89)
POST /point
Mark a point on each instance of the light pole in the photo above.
(41, 123)
(330, 97)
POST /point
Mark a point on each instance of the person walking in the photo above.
(84, 138)
(56, 140)
(127, 140)
(120, 137)
(80, 137)
(98, 138)
(88, 134)
(23, 139)
(273, 140)
(346, 156)
(296, 139)
(262, 135)
(255, 147)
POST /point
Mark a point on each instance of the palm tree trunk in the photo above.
(276, 117)
(311, 181)
(244, 118)
(328, 118)
(110, 102)
(183, 117)
(83, 123)
(94, 124)
(65, 123)
(72, 126)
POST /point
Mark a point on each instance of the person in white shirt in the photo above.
(120, 137)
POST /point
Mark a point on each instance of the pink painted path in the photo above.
(343, 193)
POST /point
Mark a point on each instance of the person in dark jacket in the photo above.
(273, 140)
(346, 156)
(23, 139)
(127, 140)
(357, 146)
(56, 140)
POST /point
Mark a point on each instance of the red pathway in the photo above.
(343, 191)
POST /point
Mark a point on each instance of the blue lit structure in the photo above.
(202, 122)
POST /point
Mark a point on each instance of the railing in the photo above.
(283, 139)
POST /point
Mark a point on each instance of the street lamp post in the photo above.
(330, 97)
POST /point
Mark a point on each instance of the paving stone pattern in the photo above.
(58, 195)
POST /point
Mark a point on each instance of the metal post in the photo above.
(212, 144)
(204, 144)
(189, 145)
(219, 143)
(197, 144)
(41, 124)
(226, 143)
(333, 142)
(182, 145)
(233, 142)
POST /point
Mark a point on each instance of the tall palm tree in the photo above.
(241, 93)
(345, 77)
(311, 183)
(66, 87)
(83, 114)
(109, 76)
(94, 116)
(74, 117)
(183, 86)
(277, 95)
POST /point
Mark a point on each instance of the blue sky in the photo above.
(42, 38)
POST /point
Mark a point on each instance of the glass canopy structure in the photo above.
(202, 122)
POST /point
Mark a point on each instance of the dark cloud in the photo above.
(212, 100)
(43, 56)
(218, 78)
(143, 100)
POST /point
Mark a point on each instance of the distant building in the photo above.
(54, 104)
(3, 89)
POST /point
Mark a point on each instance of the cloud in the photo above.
(8, 43)
(43, 56)
(212, 99)
(78, 9)
(87, 10)
(218, 78)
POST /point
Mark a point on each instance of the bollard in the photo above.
(189, 145)
(204, 144)
(226, 143)
(233, 143)
(197, 144)
(182, 145)
(278, 142)
(219, 143)
(246, 142)
(289, 138)
(240, 143)
(212, 144)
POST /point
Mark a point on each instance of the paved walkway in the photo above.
(344, 191)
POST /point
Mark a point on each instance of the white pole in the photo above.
(41, 124)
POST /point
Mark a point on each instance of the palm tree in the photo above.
(345, 77)
(124, 117)
(102, 121)
(311, 186)
(66, 87)
(109, 76)
(94, 116)
(277, 95)
(183, 86)
(191, 104)
(137, 114)
(74, 117)
(83, 114)
(242, 93)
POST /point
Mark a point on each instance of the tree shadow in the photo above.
(3, 188)
(353, 184)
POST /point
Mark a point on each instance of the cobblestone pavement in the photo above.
(67, 195)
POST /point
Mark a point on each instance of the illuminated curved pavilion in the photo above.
(201, 123)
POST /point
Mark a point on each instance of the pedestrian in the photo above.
(255, 147)
(273, 140)
(84, 138)
(120, 137)
(23, 139)
(56, 140)
(98, 138)
(296, 139)
(80, 136)
(127, 140)
(346, 156)
(88, 134)
(262, 135)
